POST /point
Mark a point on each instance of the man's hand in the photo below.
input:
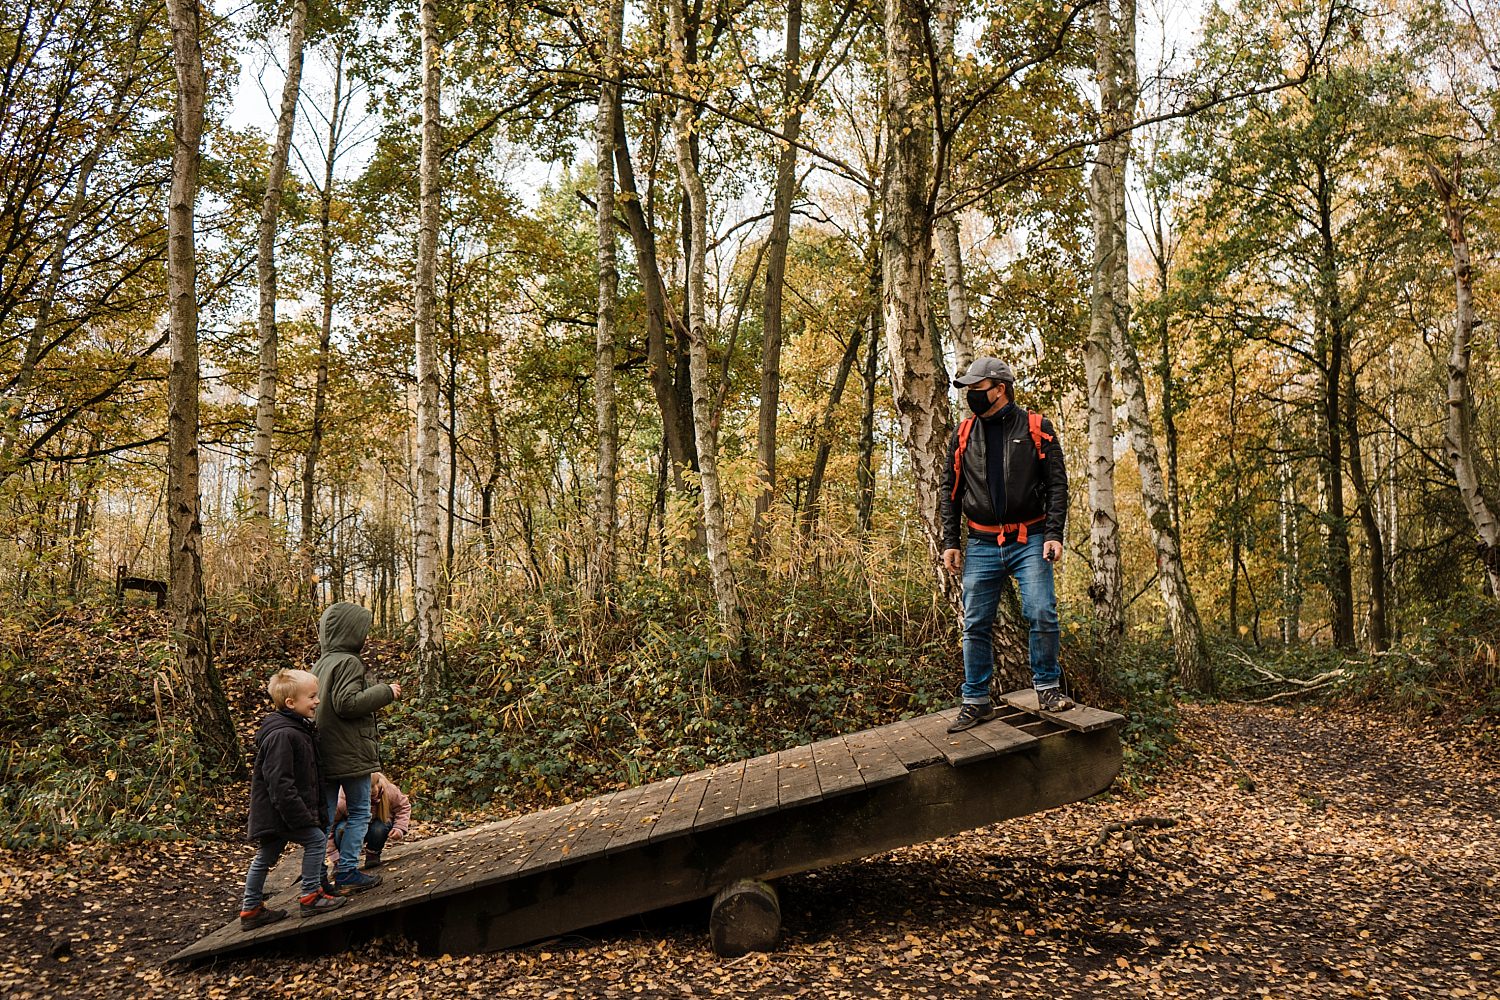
(396, 686)
(1052, 550)
(953, 561)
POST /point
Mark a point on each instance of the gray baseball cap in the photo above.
(984, 368)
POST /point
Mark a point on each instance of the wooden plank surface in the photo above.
(908, 743)
(1079, 718)
(758, 791)
(557, 848)
(643, 816)
(681, 808)
(602, 830)
(722, 796)
(838, 772)
(797, 778)
(877, 762)
(1000, 737)
(958, 748)
(504, 852)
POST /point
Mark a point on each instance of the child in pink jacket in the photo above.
(390, 813)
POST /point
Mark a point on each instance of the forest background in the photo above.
(636, 465)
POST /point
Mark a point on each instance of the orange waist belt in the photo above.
(1001, 530)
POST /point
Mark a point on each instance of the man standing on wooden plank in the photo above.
(1006, 478)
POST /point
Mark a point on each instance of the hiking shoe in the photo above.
(259, 917)
(319, 902)
(348, 883)
(970, 716)
(372, 860)
(1053, 700)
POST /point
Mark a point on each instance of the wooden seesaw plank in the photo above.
(588, 862)
(1079, 718)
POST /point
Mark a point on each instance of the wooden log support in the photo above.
(746, 917)
(703, 834)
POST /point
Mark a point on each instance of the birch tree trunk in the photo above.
(336, 119)
(1291, 533)
(1108, 311)
(213, 729)
(919, 380)
(1458, 423)
(606, 417)
(945, 226)
(771, 301)
(431, 668)
(715, 524)
(270, 213)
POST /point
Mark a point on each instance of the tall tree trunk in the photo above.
(715, 523)
(1193, 666)
(308, 539)
(865, 503)
(1458, 421)
(606, 418)
(270, 213)
(431, 666)
(825, 433)
(1291, 533)
(213, 729)
(1108, 312)
(1332, 333)
(661, 320)
(771, 301)
(919, 380)
(1369, 522)
(945, 226)
(1163, 259)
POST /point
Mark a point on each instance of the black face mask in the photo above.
(979, 400)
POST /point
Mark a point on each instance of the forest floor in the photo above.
(1315, 853)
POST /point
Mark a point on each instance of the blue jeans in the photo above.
(375, 835)
(312, 840)
(357, 798)
(986, 565)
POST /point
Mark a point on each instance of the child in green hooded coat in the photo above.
(348, 737)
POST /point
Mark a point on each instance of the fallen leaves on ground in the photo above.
(1313, 854)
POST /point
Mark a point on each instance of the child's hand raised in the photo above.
(396, 688)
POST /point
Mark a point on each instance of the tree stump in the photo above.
(746, 917)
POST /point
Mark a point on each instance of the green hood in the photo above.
(343, 628)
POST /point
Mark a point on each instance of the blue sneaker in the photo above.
(349, 883)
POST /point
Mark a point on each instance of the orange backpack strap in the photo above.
(964, 430)
(1034, 422)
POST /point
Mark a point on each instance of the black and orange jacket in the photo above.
(1036, 487)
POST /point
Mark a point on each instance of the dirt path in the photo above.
(1314, 854)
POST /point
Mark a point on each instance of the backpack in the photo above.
(1033, 424)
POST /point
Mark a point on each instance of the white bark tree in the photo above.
(213, 729)
(428, 588)
(611, 15)
(919, 380)
(1458, 424)
(715, 523)
(1108, 311)
(270, 214)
